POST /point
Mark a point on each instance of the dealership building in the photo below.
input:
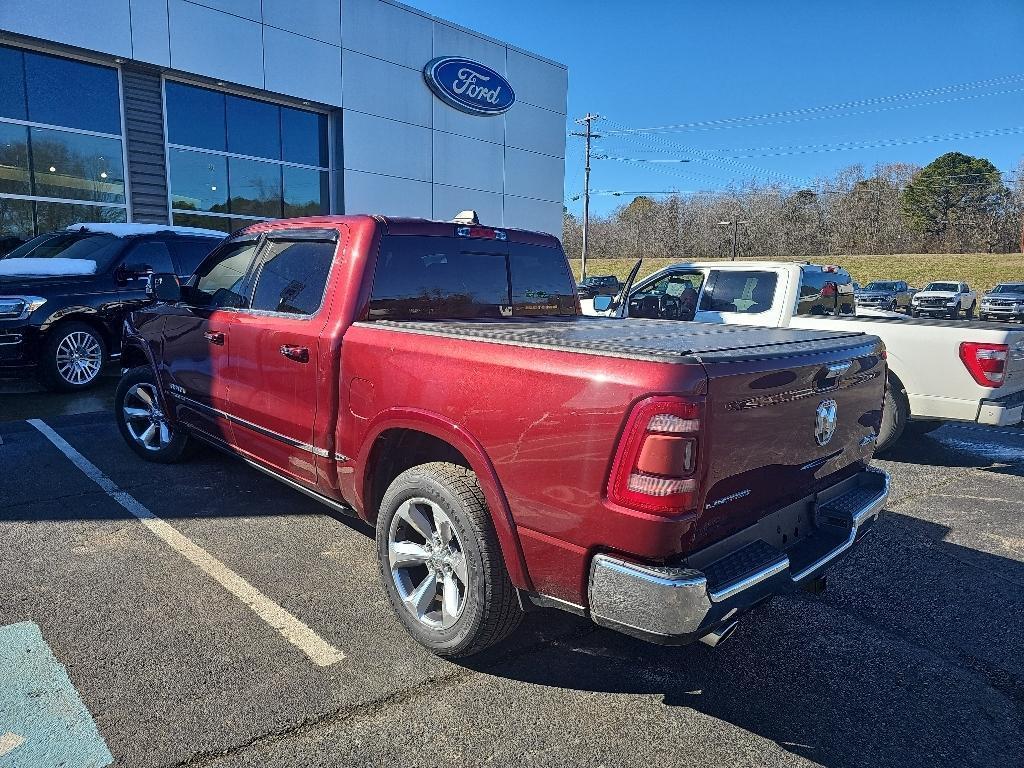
(216, 113)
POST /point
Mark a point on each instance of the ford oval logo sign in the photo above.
(469, 86)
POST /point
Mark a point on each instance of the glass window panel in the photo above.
(14, 176)
(255, 187)
(72, 93)
(150, 254)
(195, 116)
(541, 281)
(219, 281)
(293, 277)
(53, 216)
(12, 84)
(306, 192)
(15, 223)
(76, 166)
(745, 292)
(189, 252)
(220, 223)
(418, 277)
(254, 128)
(304, 137)
(199, 181)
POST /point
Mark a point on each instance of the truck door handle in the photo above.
(292, 352)
(214, 337)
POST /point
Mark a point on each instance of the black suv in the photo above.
(64, 295)
(599, 285)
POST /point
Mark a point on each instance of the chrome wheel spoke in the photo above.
(404, 554)
(143, 395)
(147, 436)
(410, 512)
(136, 413)
(459, 567)
(449, 601)
(421, 598)
(165, 434)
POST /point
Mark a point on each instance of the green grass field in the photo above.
(980, 270)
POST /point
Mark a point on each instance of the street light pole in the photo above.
(588, 135)
(735, 224)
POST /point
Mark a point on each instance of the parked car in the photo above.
(594, 285)
(64, 294)
(938, 370)
(437, 381)
(944, 298)
(1004, 302)
(893, 295)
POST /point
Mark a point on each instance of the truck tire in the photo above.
(142, 423)
(970, 310)
(895, 415)
(983, 318)
(72, 357)
(441, 563)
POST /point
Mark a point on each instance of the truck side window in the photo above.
(189, 252)
(541, 282)
(437, 277)
(219, 280)
(293, 276)
(743, 292)
(825, 293)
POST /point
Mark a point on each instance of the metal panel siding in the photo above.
(144, 133)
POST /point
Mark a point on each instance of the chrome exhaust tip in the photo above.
(720, 635)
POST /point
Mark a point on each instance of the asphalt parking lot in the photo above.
(914, 656)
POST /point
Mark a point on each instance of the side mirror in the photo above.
(603, 303)
(165, 287)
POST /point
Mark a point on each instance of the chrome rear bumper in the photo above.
(680, 604)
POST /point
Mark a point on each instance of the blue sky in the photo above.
(651, 64)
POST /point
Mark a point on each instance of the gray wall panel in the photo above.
(144, 135)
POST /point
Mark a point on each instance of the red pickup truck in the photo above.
(437, 380)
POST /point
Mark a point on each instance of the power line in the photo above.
(909, 95)
(811, 118)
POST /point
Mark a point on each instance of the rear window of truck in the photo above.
(441, 277)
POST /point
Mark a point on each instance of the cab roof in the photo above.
(398, 225)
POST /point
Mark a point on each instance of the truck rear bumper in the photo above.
(680, 604)
(1002, 412)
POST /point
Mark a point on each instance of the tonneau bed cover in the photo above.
(637, 338)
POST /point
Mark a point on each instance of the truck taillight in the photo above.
(985, 362)
(656, 462)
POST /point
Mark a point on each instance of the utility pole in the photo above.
(735, 224)
(588, 135)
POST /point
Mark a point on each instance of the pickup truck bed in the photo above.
(638, 339)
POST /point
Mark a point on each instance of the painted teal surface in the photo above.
(39, 704)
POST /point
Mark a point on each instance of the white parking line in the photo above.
(292, 629)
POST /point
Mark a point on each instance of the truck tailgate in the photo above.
(767, 436)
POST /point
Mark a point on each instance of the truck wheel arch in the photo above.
(422, 437)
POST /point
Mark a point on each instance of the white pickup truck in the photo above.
(939, 370)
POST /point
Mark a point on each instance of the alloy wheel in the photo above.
(79, 358)
(144, 418)
(428, 563)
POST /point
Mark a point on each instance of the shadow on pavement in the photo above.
(960, 446)
(26, 399)
(913, 658)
